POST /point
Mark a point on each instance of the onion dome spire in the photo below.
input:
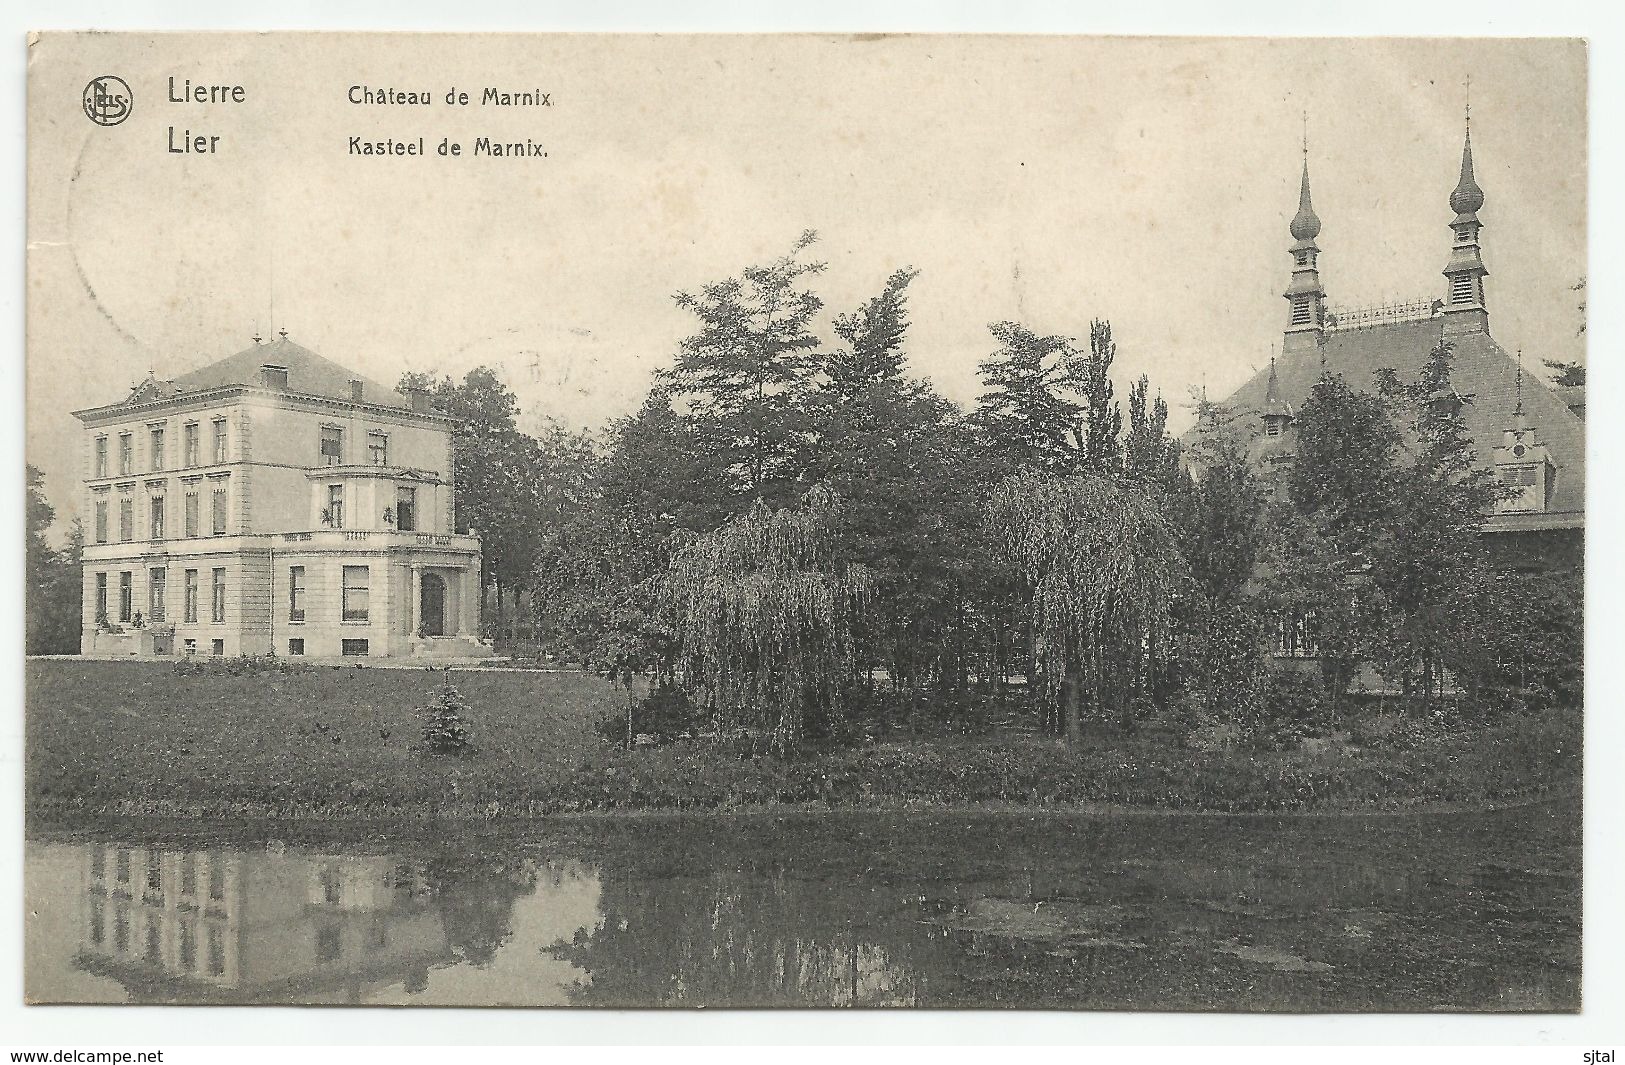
(1305, 296)
(1465, 307)
(1305, 224)
(1467, 197)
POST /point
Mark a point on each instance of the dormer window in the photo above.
(274, 376)
(1272, 427)
(1525, 485)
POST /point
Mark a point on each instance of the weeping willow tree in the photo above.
(763, 613)
(1099, 561)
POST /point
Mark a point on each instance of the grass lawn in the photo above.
(105, 731)
(128, 738)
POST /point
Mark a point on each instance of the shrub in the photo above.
(1293, 707)
(665, 713)
(446, 730)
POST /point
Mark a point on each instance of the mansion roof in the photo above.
(1482, 372)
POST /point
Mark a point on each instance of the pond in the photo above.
(1439, 911)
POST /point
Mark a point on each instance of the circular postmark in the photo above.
(107, 100)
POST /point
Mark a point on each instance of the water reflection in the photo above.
(1445, 912)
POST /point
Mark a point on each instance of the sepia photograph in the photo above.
(806, 521)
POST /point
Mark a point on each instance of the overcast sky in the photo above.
(1049, 180)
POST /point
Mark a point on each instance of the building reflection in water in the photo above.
(228, 925)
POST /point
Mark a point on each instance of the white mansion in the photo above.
(274, 502)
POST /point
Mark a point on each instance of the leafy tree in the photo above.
(1433, 555)
(512, 488)
(741, 382)
(54, 589)
(1566, 374)
(1103, 419)
(1029, 412)
(763, 612)
(1101, 564)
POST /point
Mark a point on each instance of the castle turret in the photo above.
(1305, 298)
(1464, 306)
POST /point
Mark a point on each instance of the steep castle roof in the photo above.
(1481, 372)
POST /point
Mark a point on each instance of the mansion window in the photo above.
(218, 598)
(332, 446)
(378, 448)
(126, 597)
(189, 444)
(189, 604)
(217, 511)
(356, 581)
(101, 521)
(126, 454)
(126, 519)
(157, 450)
(1296, 635)
(296, 593)
(157, 610)
(101, 597)
(219, 426)
(192, 508)
(101, 456)
(406, 509)
(335, 505)
(155, 518)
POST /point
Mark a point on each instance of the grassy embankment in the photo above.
(135, 739)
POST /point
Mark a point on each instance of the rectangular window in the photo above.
(335, 506)
(1461, 288)
(217, 951)
(406, 509)
(155, 518)
(191, 597)
(101, 598)
(296, 593)
(1525, 492)
(155, 871)
(1300, 310)
(101, 521)
(1297, 635)
(356, 580)
(219, 426)
(332, 446)
(101, 456)
(190, 647)
(217, 648)
(218, 599)
(353, 648)
(126, 519)
(378, 449)
(217, 511)
(157, 450)
(188, 947)
(327, 943)
(126, 454)
(296, 646)
(156, 585)
(126, 597)
(121, 866)
(193, 507)
(190, 435)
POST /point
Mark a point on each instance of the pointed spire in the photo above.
(1274, 405)
(1305, 224)
(1467, 197)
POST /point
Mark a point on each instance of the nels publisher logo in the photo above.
(107, 100)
